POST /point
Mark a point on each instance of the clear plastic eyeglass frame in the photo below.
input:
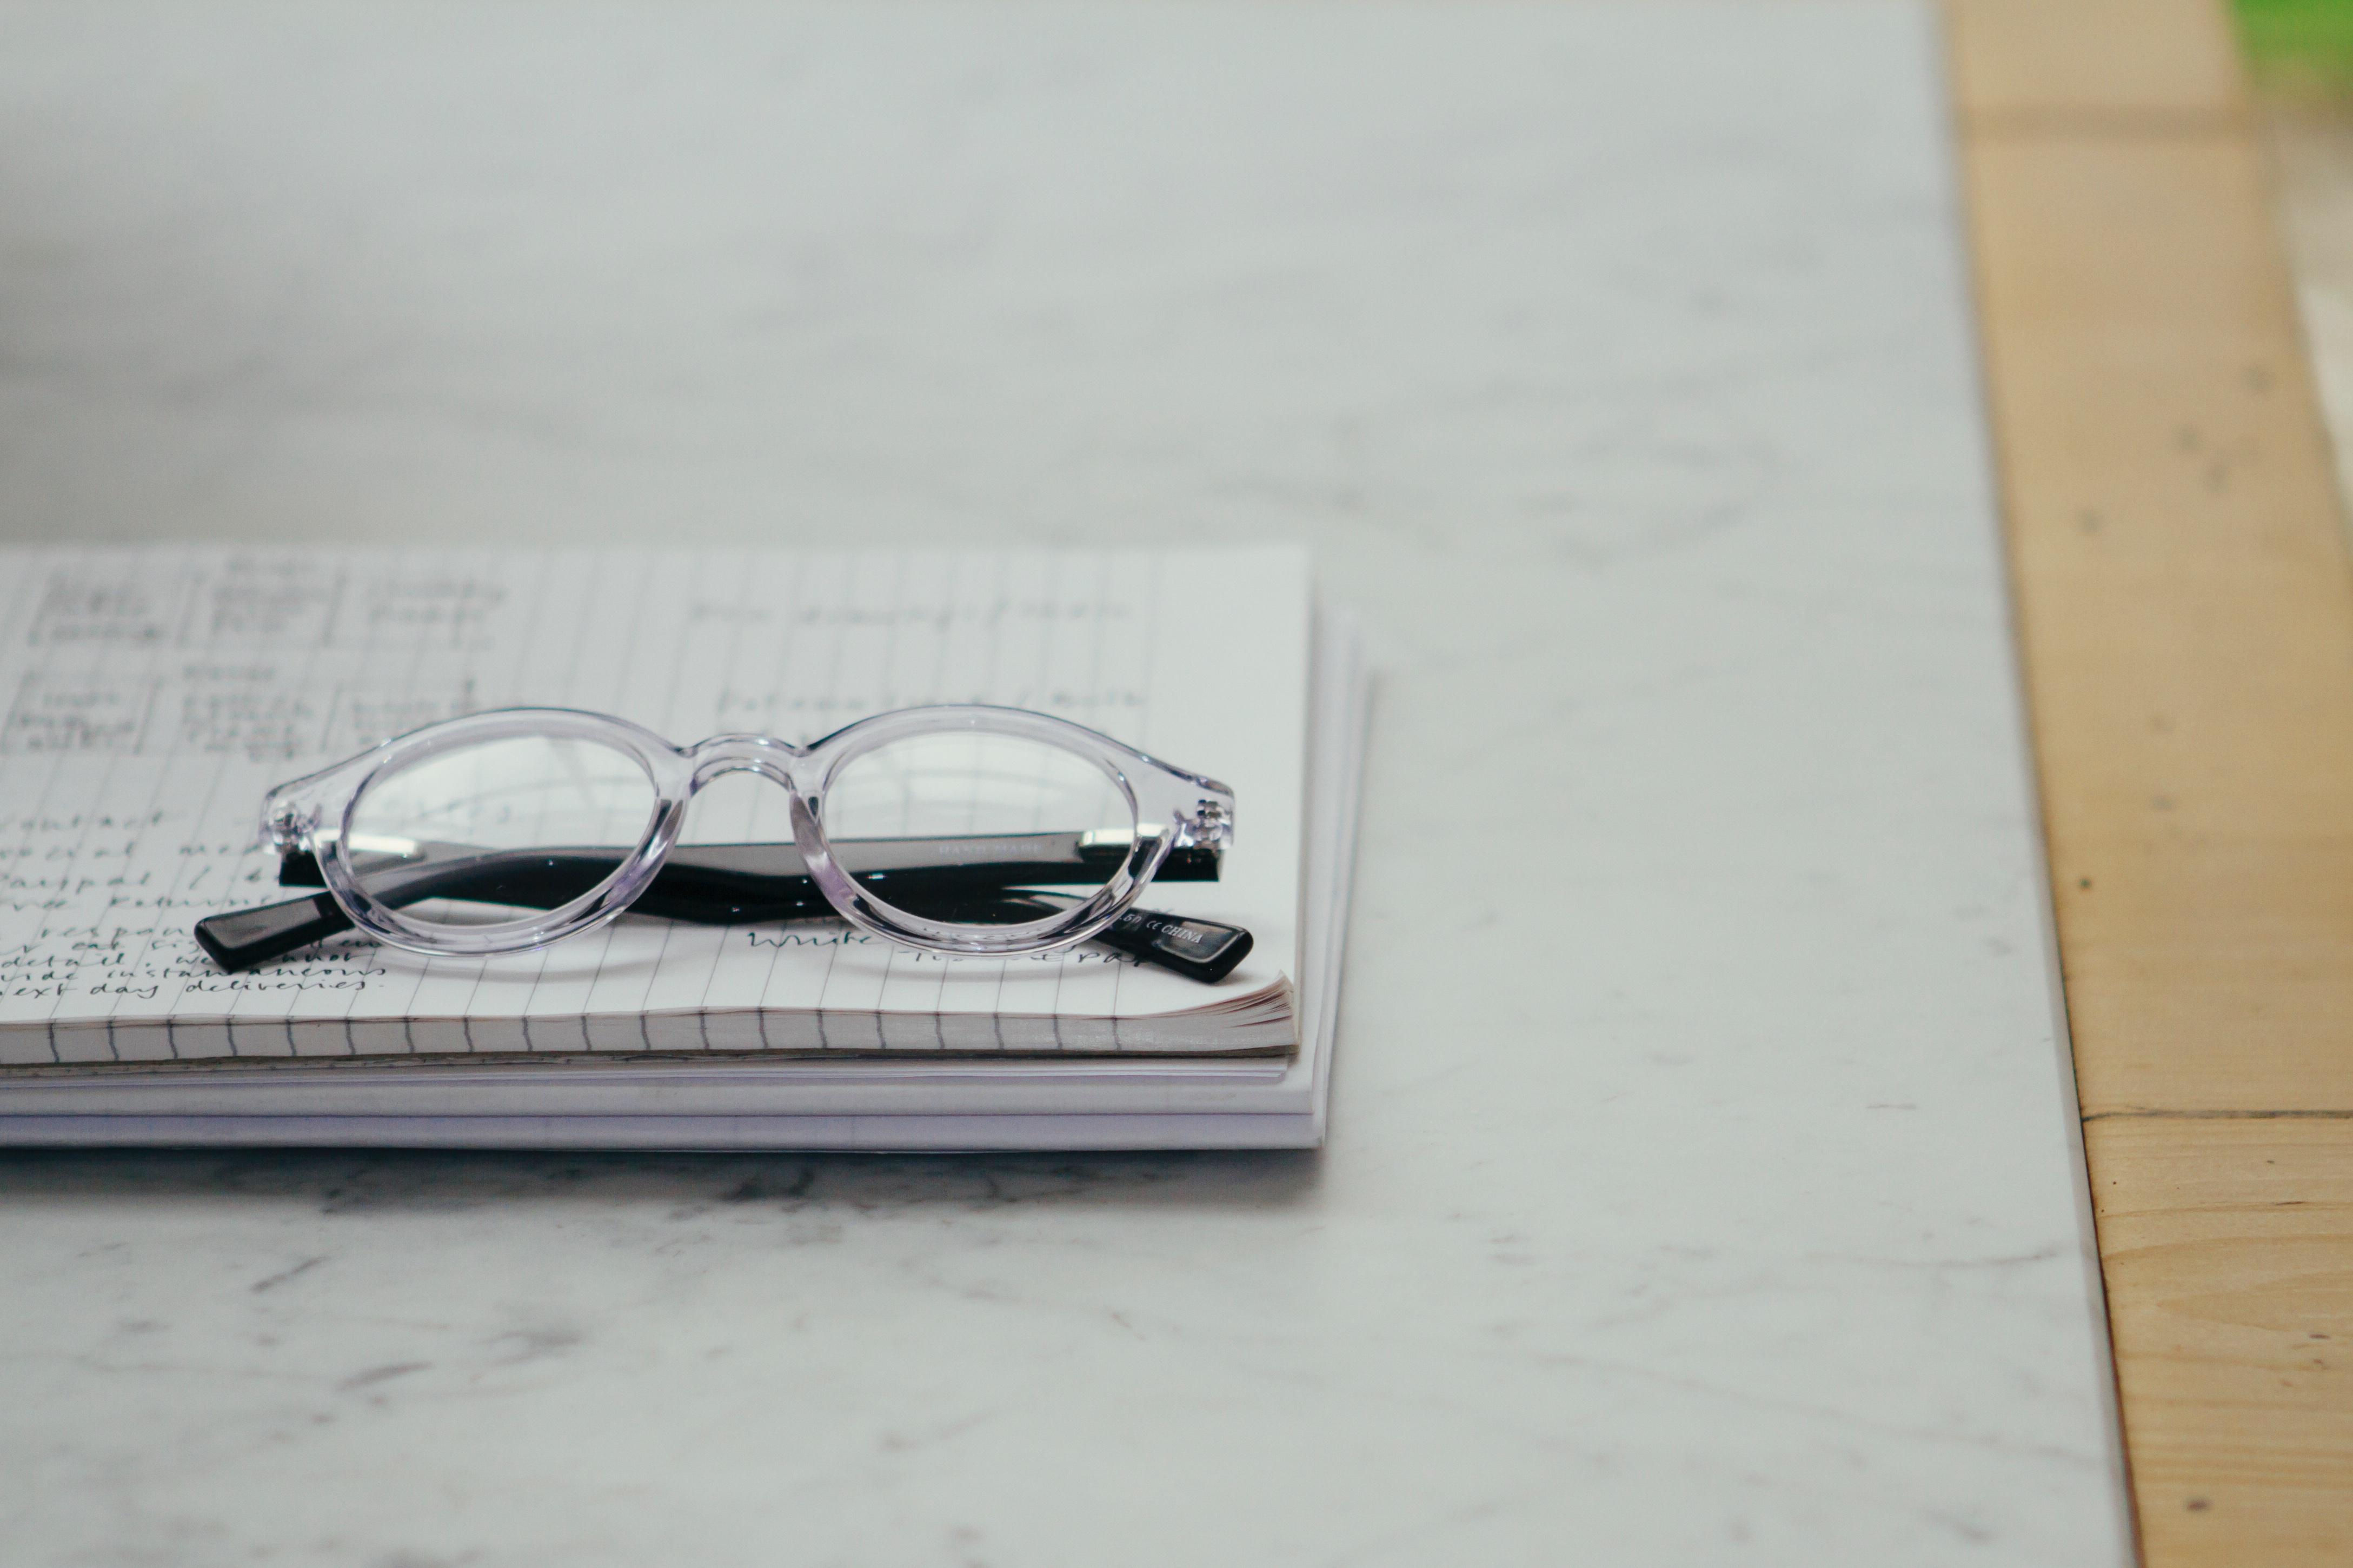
(1172, 809)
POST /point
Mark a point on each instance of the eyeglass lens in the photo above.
(440, 839)
(975, 786)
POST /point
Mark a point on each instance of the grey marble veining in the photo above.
(1703, 1183)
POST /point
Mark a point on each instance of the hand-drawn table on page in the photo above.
(1703, 1173)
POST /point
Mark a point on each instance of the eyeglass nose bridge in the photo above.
(779, 762)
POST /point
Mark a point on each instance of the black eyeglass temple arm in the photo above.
(769, 872)
(709, 884)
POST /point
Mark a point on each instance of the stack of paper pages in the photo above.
(153, 696)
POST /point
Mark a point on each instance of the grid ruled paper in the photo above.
(153, 696)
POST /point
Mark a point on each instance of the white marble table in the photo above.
(1703, 1183)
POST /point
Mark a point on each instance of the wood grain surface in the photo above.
(2185, 609)
(2228, 1246)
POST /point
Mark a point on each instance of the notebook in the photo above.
(153, 695)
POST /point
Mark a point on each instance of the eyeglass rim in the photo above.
(1173, 808)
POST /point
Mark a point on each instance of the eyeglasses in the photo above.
(962, 830)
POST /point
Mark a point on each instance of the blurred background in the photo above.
(2301, 55)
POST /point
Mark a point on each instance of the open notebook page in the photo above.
(153, 696)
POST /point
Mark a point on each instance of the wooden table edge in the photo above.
(2184, 607)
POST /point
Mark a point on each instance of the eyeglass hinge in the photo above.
(1211, 826)
(286, 824)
